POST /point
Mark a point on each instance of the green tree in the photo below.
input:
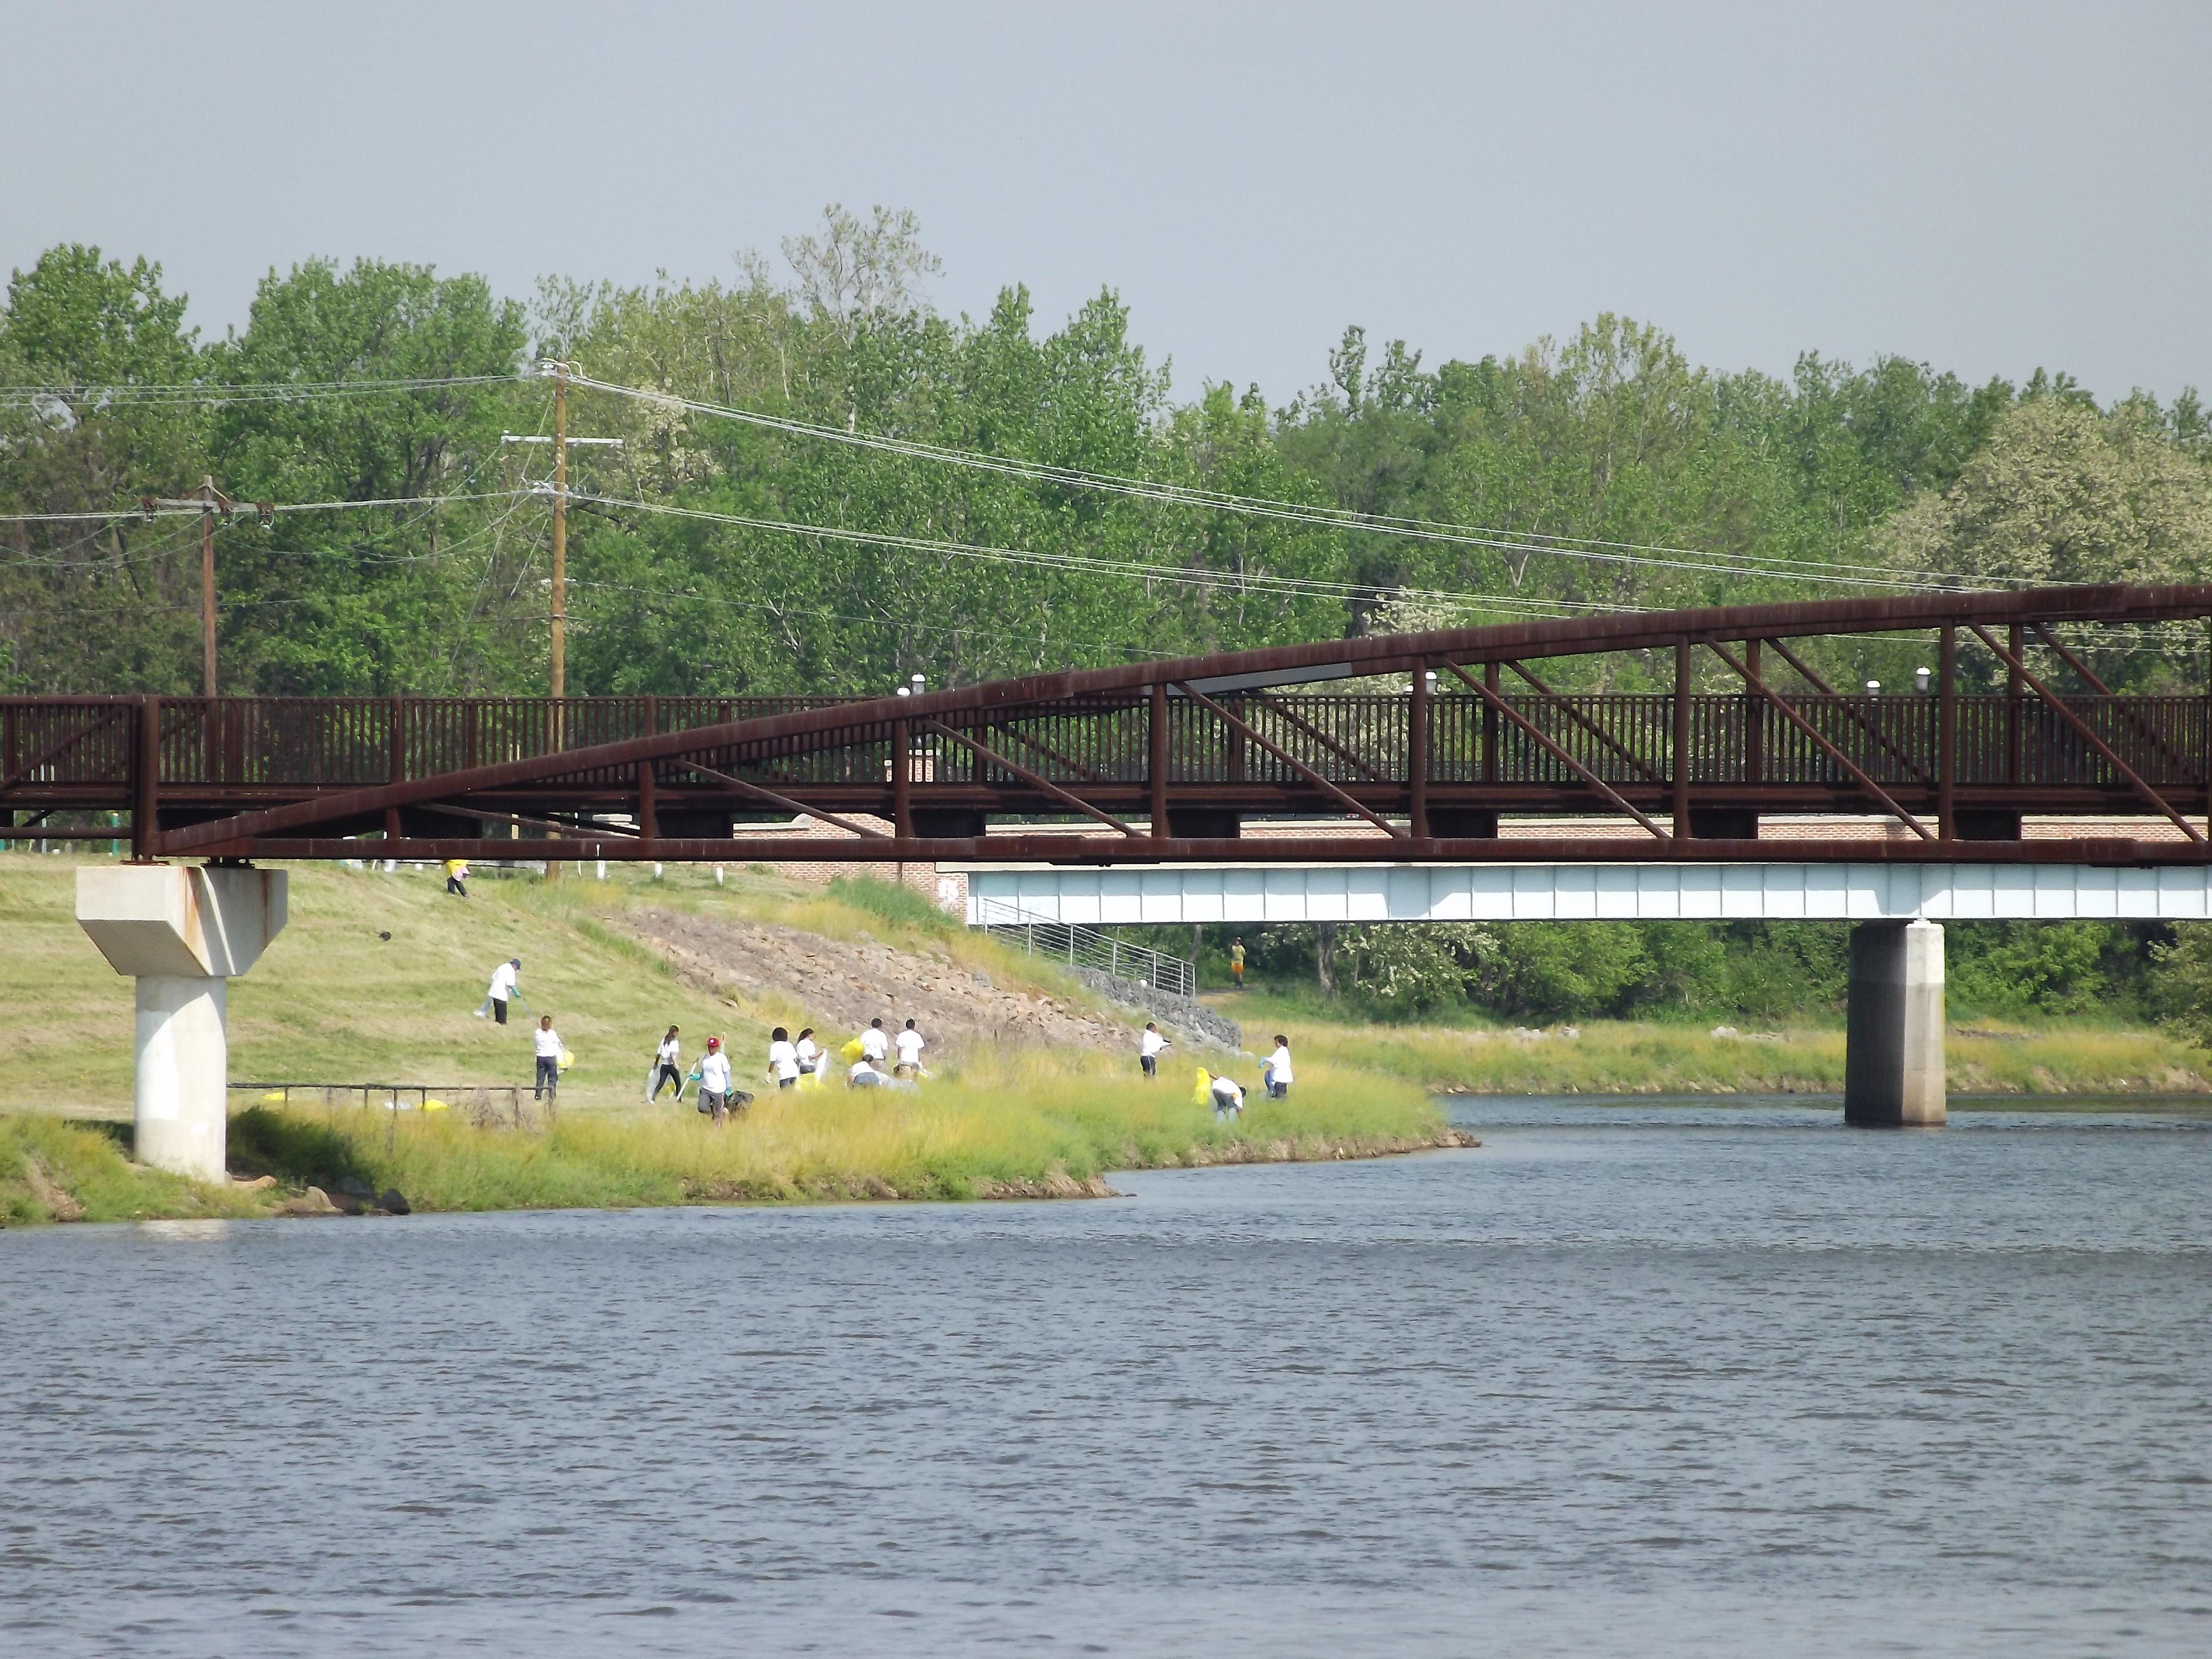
(100, 366)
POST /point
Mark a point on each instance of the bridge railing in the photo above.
(1625, 737)
(1079, 946)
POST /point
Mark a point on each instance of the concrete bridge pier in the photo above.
(184, 934)
(1893, 1065)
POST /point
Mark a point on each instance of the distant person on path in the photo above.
(714, 1081)
(548, 1042)
(811, 1057)
(874, 1045)
(782, 1059)
(667, 1067)
(1228, 1098)
(457, 877)
(1236, 964)
(1278, 1070)
(1149, 1048)
(910, 1045)
(504, 985)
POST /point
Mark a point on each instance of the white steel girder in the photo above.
(1597, 892)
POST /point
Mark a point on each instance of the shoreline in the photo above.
(56, 1171)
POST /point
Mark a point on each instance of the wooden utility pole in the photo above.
(557, 655)
(207, 586)
(558, 664)
(211, 501)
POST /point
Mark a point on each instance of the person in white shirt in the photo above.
(503, 987)
(1228, 1098)
(714, 1080)
(548, 1042)
(810, 1054)
(910, 1045)
(864, 1075)
(874, 1045)
(782, 1059)
(667, 1067)
(1277, 1070)
(1149, 1048)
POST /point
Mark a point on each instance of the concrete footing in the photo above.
(1893, 1065)
(183, 933)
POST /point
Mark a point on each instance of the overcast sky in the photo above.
(1987, 187)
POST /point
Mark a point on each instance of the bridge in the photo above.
(1172, 758)
(1124, 793)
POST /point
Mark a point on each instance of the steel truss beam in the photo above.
(620, 776)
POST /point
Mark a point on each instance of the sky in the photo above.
(1987, 188)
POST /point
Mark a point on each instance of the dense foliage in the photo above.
(715, 553)
(1759, 973)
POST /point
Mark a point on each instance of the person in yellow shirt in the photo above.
(457, 877)
(1236, 964)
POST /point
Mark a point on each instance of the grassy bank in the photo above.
(1039, 1124)
(375, 979)
(1616, 1057)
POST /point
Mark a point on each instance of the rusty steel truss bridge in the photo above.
(1163, 763)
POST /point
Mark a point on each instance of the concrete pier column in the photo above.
(183, 933)
(1894, 1062)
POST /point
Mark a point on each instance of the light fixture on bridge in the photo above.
(1920, 681)
(1873, 687)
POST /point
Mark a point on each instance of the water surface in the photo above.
(1644, 1378)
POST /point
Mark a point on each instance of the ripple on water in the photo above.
(1708, 1379)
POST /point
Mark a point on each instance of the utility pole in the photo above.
(558, 661)
(210, 501)
(556, 656)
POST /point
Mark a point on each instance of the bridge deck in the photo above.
(1171, 756)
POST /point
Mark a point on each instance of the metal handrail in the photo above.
(1086, 947)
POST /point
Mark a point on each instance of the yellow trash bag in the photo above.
(853, 1050)
(567, 1060)
(435, 1105)
(1203, 1096)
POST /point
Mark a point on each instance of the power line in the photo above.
(1599, 549)
(220, 392)
(124, 513)
(1296, 587)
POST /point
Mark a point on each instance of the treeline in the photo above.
(824, 484)
(1748, 973)
(750, 552)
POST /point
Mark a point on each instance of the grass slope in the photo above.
(335, 1001)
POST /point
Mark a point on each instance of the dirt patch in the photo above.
(845, 983)
(58, 1203)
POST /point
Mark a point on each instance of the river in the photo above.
(1652, 1379)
